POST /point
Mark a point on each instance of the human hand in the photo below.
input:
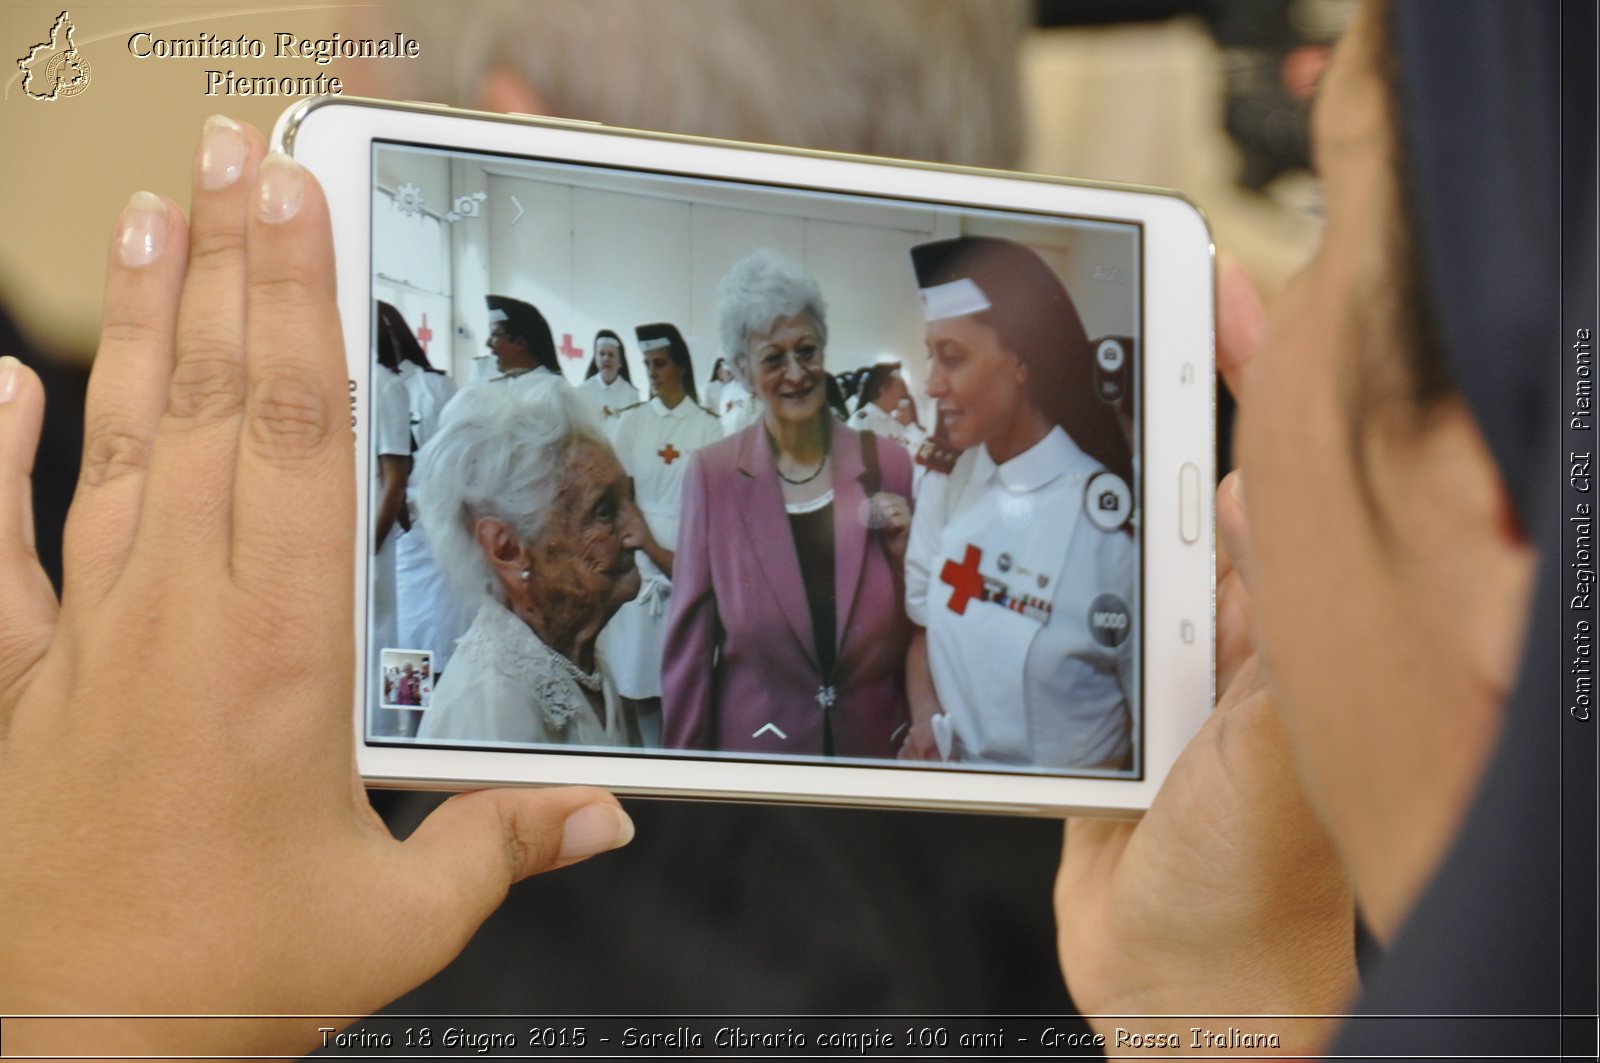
(919, 743)
(181, 827)
(1227, 898)
(890, 514)
(922, 703)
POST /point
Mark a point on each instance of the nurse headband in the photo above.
(954, 299)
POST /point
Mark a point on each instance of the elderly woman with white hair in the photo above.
(786, 612)
(531, 515)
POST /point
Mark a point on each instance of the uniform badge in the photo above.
(967, 585)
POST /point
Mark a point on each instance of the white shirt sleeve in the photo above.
(922, 550)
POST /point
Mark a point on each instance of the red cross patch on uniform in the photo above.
(964, 580)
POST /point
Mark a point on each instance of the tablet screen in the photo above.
(675, 466)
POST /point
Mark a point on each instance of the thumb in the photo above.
(475, 846)
(1233, 524)
(1236, 639)
(28, 606)
(1240, 321)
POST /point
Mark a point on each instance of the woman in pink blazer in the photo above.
(787, 633)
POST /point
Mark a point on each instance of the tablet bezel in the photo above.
(333, 137)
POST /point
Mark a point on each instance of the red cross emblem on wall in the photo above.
(668, 453)
(424, 334)
(964, 580)
(570, 349)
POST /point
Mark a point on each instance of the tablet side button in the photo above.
(1189, 502)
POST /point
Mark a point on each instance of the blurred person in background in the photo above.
(720, 375)
(883, 405)
(391, 448)
(653, 440)
(427, 616)
(520, 338)
(607, 387)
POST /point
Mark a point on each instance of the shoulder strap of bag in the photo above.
(872, 476)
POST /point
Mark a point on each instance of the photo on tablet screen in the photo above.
(405, 680)
(795, 476)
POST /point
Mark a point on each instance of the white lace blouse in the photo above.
(505, 685)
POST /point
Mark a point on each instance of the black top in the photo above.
(813, 545)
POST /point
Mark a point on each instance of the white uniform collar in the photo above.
(1037, 466)
(660, 409)
(409, 369)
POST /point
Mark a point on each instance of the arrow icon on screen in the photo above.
(769, 727)
(520, 212)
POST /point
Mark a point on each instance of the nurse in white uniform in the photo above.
(607, 388)
(520, 338)
(884, 408)
(1022, 564)
(391, 440)
(428, 617)
(653, 440)
(737, 406)
(720, 375)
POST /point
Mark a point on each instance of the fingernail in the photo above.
(283, 186)
(143, 230)
(594, 829)
(222, 153)
(1236, 487)
(10, 373)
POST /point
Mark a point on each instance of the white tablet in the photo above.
(700, 469)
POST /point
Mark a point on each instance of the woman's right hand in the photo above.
(1227, 898)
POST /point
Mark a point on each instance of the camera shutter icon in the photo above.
(1107, 501)
(1110, 355)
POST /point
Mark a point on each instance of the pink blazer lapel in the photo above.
(851, 540)
(759, 500)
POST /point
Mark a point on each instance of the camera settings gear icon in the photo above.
(408, 199)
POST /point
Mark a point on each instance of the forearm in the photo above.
(660, 556)
(922, 698)
(922, 702)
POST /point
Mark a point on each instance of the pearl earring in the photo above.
(527, 573)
